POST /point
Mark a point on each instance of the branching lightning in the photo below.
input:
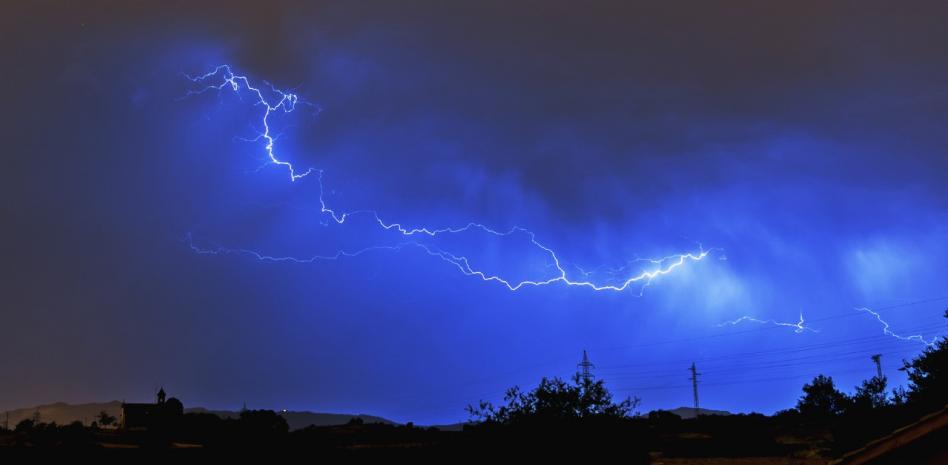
(286, 103)
(798, 327)
(886, 331)
(223, 77)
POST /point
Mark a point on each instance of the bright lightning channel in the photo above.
(798, 327)
(223, 77)
(886, 331)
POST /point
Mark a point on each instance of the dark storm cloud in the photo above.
(655, 98)
(636, 95)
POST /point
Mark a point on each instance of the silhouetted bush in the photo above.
(104, 419)
(51, 435)
(256, 428)
(24, 426)
(821, 400)
(555, 400)
(558, 416)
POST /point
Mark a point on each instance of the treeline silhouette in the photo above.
(558, 415)
(873, 410)
(825, 422)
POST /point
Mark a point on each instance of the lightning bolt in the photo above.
(798, 327)
(223, 77)
(886, 331)
(287, 103)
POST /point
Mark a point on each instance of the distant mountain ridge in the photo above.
(302, 419)
(689, 412)
(63, 414)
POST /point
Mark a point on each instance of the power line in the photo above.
(777, 364)
(768, 328)
(871, 343)
(729, 383)
(863, 340)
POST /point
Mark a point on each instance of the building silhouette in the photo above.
(144, 417)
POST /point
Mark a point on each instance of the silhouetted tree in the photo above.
(555, 399)
(104, 419)
(25, 425)
(871, 394)
(821, 399)
(928, 376)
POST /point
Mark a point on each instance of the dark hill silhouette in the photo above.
(298, 420)
(63, 414)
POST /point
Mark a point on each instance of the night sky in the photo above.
(803, 146)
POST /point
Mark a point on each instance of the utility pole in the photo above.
(586, 368)
(877, 358)
(694, 385)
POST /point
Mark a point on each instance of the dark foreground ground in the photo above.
(658, 439)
